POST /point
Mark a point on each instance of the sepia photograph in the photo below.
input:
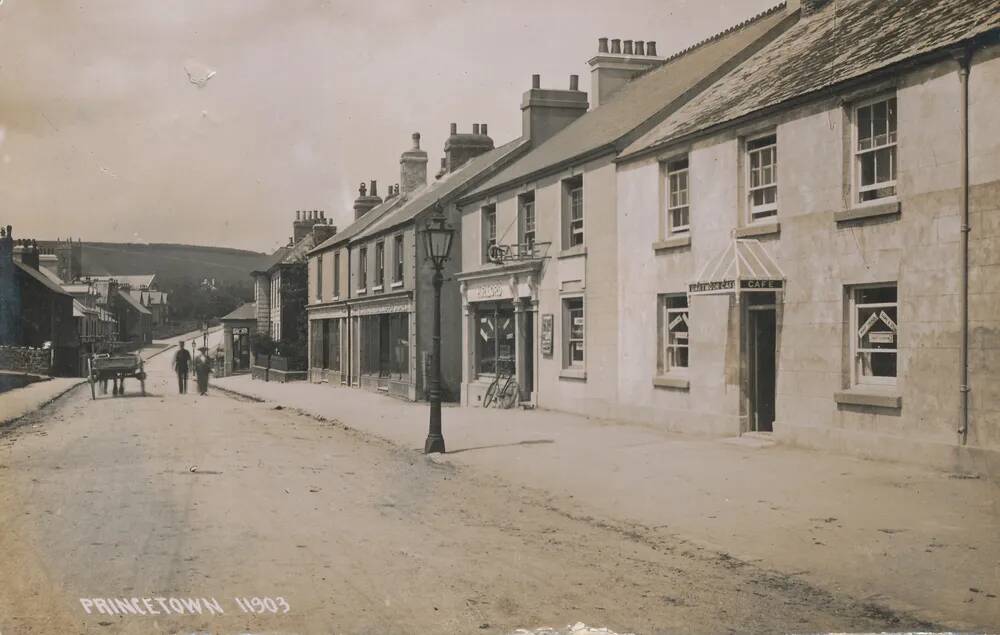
(535, 317)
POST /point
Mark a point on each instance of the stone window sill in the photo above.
(759, 229)
(869, 396)
(671, 381)
(397, 284)
(573, 252)
(362, 291)
(868, 211)
(573, 373)
(674, 242)
(376, 289)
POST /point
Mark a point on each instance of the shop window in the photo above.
(573, 211)
(397, 249)
(574, 331)
(874, 334)
(333, 344)
(673, 334)
(319, 278)
(489, 230)
(875, 150)
(385, 346)
(379, 265)
(495, 339)
(526, 223)
(678, 210)
(762, 190)
(336, 274)
(362, 269)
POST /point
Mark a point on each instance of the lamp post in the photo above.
(437, 240)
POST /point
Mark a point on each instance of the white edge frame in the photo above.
(855, 163)
(856, 380)
(748, 192)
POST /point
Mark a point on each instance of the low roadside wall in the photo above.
(36, 361)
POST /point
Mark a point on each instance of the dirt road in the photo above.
(173, 497)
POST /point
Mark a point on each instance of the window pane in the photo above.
(864, 128)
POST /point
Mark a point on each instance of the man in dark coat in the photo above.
(182, 361)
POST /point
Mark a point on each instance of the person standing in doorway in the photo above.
(202, 367)
(182, 361)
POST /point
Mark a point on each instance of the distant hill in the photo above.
(172, 263)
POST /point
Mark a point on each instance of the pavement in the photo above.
(18, 402)
(901, 536)
(177, 505)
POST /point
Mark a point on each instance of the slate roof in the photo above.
(644, 100)
(133, 302)
(449, 184)
(40, 277)
(360, 224)
(246, 311)
(843, 40)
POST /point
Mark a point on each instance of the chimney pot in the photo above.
(602, 45)
(616, 46)
(640, 47)
(482, 129)
(536, 81)
(374, 188)
(416, 140)
(574, 82)
(627, 50)
(298, 215)
(454, 128)
(651, 48)
(475, 128)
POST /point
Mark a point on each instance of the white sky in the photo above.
(103, 136)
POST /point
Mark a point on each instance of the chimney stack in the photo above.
(412, 167)
(301, 226)
(610, 71)
(366, 200)
(574, 82)
(460, 148)
(545, 112)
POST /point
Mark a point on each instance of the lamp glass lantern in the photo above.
(437, 237)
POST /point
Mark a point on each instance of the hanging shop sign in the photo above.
(881, 338)
(241, 330)
(547, 322)
(872, 319)
(888, 320)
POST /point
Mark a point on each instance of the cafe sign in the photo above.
(489, 291)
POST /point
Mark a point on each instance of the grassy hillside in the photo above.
(172, 263)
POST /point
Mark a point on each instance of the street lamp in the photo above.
(437, 241)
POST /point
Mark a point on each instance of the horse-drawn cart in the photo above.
(116, 367)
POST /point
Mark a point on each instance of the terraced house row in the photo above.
(791, 228)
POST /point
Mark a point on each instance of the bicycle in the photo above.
(503, 391)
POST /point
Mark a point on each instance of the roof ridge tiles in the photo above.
(721, 34)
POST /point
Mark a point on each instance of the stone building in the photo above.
(546, 309)
(371, 293)
(279, 288)
(791, 240)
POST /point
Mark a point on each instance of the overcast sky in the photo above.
(109, 129)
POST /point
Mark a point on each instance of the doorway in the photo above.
(528, 355)
(761, 362)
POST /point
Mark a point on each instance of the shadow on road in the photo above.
(502, 445)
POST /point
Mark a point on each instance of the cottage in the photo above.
(792, 239)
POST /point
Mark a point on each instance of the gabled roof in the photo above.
(40, 278)
(843, 40)
(640, 103)
(360, 224)
(132, 302)
(51, 275)
(448, 185)
(246, 311)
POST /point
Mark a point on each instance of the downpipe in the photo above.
(963, 76)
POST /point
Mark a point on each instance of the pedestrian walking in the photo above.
(202, 367)
(182, 366)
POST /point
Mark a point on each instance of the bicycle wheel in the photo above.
(509, 396)
(491, 394)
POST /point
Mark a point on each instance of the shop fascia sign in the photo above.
(723, 286)
(489, 291)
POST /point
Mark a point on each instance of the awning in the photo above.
(744, 265)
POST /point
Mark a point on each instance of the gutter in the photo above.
(964, 57)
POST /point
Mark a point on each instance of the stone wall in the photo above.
(24, 359)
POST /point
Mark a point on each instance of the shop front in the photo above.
(328, 345)
(500, 307)
(747, 273)
(236, 329)
(384, 356)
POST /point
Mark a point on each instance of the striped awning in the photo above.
(744, 265)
